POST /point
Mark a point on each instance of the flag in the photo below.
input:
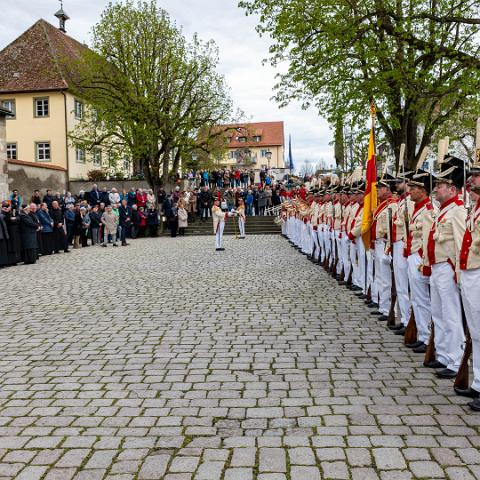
(290, 157)
(370, 200)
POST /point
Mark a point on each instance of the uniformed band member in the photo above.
(218, 225)
(240, 213)
(431, 246)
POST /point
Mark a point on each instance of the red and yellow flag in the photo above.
(370, 201)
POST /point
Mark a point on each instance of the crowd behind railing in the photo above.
(50, 223)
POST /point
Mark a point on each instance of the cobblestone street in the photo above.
(168, 360)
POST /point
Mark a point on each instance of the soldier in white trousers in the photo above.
(443, 248)
(240, 212)
(470, 284)
(382, 217)
(420, 223)
(400, 263)
(218, 225)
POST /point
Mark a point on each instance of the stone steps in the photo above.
(253, 226)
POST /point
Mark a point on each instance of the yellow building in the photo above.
(257, 145)
(34, 87)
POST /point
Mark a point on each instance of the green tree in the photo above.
(417, 59)
(152, 91)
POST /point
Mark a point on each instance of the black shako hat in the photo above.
(422, 178)
(452, 171)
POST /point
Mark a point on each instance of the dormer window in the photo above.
(242, 139)
(257, 138)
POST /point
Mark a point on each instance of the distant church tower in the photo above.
(62, 17)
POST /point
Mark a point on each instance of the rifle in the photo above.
(461, 380)
(430, 353)
(391, 313)
(335, 262)
(411, 330)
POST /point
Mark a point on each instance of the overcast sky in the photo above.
(241, 54)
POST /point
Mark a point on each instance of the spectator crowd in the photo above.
(50, 223)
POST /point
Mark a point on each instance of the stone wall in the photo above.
(26, 177)
(3, 159)
(76, 185)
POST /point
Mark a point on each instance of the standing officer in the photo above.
(443, 250)
(400, 265)
(470, 284)
(218, 225)
(419, 226)
(380, 227)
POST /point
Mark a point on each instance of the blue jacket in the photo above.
(45, 221)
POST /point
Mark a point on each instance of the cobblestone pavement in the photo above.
(169, 360)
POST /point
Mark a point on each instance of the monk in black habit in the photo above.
(14, 242)
(29, 226)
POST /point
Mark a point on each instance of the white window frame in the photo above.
(12, 148)
(80, 156)
(43, 148)
(257, 138)
(78, 109)
(36, 104)
(10, 104)
(97, 157)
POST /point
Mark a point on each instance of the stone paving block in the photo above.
(272, 460)
(300, 473)
(388, 459)
(243, 457)
(238, 474)
(209, 471)
(31, 473)
(423, 469)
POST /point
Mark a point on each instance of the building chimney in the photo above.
(62, 17)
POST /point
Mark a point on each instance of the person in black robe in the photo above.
(59, 236)
(29, 226)
(14, 243)
(4, 237)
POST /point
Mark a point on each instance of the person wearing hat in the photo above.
(327, 228)
(470, 284)
(218, 224)
(345, 241)
(314, 210)
(382, 217)
(357, 250)
(336, 227)
(443, 249)
(420, 223)
(397, 243)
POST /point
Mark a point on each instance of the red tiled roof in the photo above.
(33, 62)
(270, 133)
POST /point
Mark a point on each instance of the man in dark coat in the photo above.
(4, 237)
(48, 199)
(29, 226)
(205, 199)
(14, 241)
(94, 197)
(104, 197)
(59, 237)
(125, 221)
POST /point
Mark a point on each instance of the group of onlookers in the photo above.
(53, 222)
